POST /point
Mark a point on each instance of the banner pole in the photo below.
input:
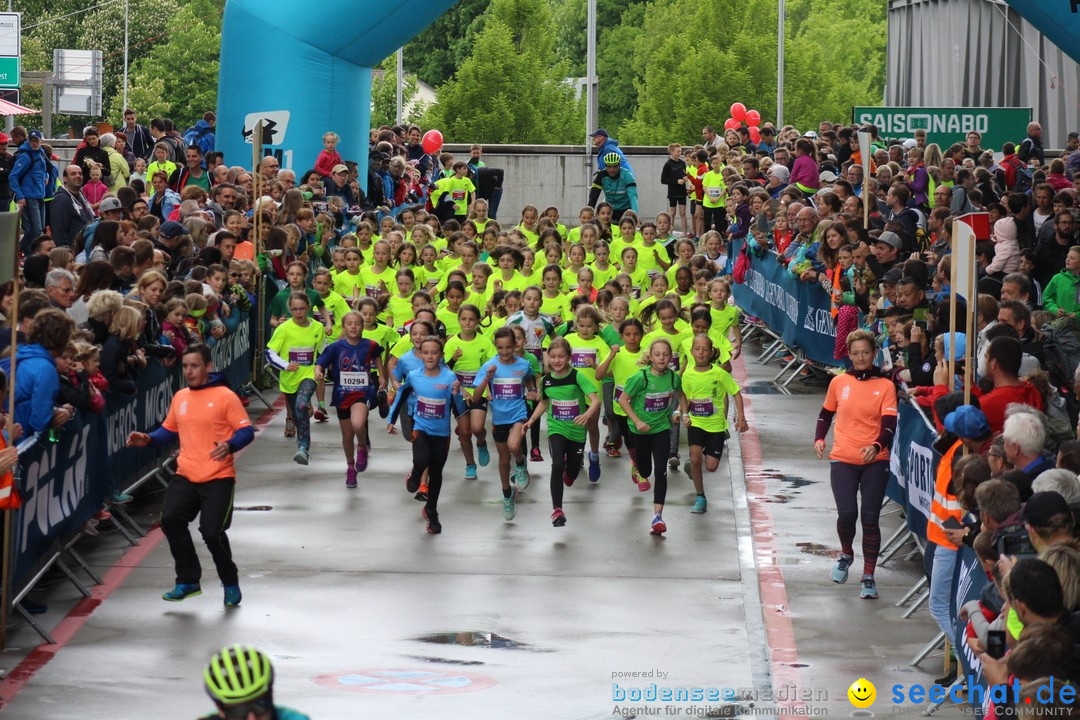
(260, 278)
(5, 570)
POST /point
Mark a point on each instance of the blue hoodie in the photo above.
(33, 175)
(37, 385)
(611, 145)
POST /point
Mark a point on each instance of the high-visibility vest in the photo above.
(945, 504)
(9, 494)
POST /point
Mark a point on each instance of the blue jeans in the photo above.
(33, 222)
(941, 585)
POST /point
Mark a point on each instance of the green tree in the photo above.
(178, 78)
(510, 89)
(440, 48)
(384, 95)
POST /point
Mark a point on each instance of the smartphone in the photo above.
(995, 644)
(952, 523)
(919, 316)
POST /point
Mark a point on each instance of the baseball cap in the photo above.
(968, 422)
(109, 204)
(810, 134)
(827, 176)
(171, 229)
(890, 238)
(892, 276)
(599, 132)
(35, 135)
(340, 167)
(4, 139)
(1041, 507)
(909, 143)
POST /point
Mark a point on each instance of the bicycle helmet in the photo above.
(238, 674)
(612, 158)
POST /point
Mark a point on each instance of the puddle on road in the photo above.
(256, 508)
(778, 499)
(793, 480)
(815, 549)
(476, 639)
(443, 661)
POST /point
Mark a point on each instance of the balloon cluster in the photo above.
(432, 142)
(739, 115)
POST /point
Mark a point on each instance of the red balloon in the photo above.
(731, 124)
(738, 111)
(753, 117)
(755, 135)
(432, 142)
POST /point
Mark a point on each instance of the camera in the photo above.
(1015, 541)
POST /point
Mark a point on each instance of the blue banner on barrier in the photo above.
(913, 467)
(64, 483)
(968, 582)
(799, 311)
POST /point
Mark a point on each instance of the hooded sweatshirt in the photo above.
(1006, 248)
(36, 386)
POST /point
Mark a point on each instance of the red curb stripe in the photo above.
(66, 630)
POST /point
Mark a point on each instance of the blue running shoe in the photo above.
(470, 472)
(521, 477)
(232, 595)
(700, 505)
(182, 591)
(301, 457)
(658, 526)
(594, 467)
(482, 455)
(510, 504)
(869, 588)
(839, 573)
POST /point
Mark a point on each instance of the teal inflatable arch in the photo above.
(1058, 20)
(305, 69)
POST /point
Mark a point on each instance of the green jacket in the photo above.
(1061, 293)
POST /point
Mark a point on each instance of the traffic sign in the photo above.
(9, 72)
(10, 34)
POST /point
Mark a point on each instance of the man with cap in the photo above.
(885, 252)
(71, 211)
(111, 209)
(1048, 519)
(605, 145)
(618, 185)
(168, 239)
(339, 185)
(32, 179)
(827, 177)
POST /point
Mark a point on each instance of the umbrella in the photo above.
(10, 108)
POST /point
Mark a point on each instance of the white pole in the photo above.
(125, 56)
(592, 112)
(780, 68)
(400, 85)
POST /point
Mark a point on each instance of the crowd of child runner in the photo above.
(440, 324)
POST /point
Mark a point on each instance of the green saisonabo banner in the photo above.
(946, 126)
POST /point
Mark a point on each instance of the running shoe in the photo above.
(558, 518)
(840, 572)
(290, 428)
(535, 455)
(301, 457)
(182, 592)
(232, 595)
(350, 477)
(410, 484)
(434, 527)
(642, 483)
(120, 498)
(320, 414)
(701, 505)
(687, 468)
(869, 588)
(673, 462)
(594, 467)
(384, 404)
(612, 451)
(658, 526)
(566, 479)
(103, 515)
(510, 504)
(470, 472)
(482, 455)
(421, 494)
(521, 477)
(361, 458)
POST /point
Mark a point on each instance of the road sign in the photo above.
(10, 34)
(406, 681)
(78, 87)
(946, 126)
(9, 72)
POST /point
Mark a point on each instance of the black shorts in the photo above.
(673, 201)
(344, 411)
(481, 404)
(711, 443)
(501, 433)
(694, 205)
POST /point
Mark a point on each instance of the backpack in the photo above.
(1023, 180)
(195, 137)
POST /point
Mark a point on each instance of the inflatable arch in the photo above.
(306, 69)
(1058, 20)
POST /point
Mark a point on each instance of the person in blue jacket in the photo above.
(32, 180)
(606, 144)
(436, 394)
(37, 383)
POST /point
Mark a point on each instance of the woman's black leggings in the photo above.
(716, 218)
(652, 450)
(567, 457)
(429, 452)
(848, 482)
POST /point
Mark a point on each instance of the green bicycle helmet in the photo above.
(612, 158)
(238, 674)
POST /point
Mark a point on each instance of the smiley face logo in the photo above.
(862, 693)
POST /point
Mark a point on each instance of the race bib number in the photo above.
(372, 290)
(579, 357)
(564, 410)
(457, 195)
(674, 363)
(714, 192)
(302, 355)
(702, 407)
(657, 402)
(507, 389)
(537, 353)
(466, 378)
(353, 381)
(430, 408)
